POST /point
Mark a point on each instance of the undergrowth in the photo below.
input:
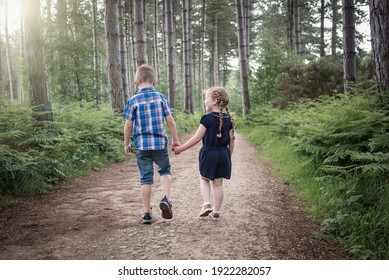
(36, 155)
(335, 151)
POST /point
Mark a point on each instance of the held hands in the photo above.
(176, 147)
(177, 150)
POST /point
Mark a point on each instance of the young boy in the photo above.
(145, 113)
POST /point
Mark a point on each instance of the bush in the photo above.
(34, 155)
(340, 164)
(308, 81)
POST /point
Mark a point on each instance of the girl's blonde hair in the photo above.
(221, 96)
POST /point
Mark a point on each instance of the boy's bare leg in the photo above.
(218, 194)
(146, 197)
(166, 182)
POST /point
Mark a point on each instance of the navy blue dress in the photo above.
(214, 155)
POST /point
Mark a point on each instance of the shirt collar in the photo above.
(146, 89)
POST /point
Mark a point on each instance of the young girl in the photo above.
(217, 132)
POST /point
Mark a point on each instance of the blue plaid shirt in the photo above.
(147, 109)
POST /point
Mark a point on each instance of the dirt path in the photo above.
(98, 217)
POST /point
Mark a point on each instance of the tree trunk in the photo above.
(349, 54)
(8, 53)
(379, 25)
(113, 55)
(242, 57)
(190, 56)
(187, 34)
(164, 43)
(38, 85)
(96, 67)
(202, 50)
(132, 35)
(247, 28)
(140, 33)
(123, 51)
(215, 54)
(74, 32)
(291, 33)
(186, 55)
(322, 17)
(132, 39)
(297, 26)
(22, 70)
(169, 51)
(62, 27)
(155, 37)
(334, 30)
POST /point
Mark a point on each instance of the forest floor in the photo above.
(98, 217)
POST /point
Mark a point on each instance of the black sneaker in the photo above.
(147, 218)
(166, 208)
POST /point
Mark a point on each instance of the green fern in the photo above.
(345, 138)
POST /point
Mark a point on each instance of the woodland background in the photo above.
(305, 86)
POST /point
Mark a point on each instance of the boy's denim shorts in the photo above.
(145, 160)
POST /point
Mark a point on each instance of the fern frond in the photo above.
(338, 156)
(379, 142)
(11, 135)
(374, 168)
(378, 157)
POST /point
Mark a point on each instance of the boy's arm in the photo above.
(128, 126)
(173, 130)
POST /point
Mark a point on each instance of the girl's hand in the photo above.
(176, 150)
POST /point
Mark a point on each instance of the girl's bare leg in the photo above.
(218, 194)
(205, 190)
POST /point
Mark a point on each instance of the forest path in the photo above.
(98, 217)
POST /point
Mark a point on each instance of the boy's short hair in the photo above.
(145, 74)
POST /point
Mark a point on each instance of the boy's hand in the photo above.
(128, 149)
(175, 144)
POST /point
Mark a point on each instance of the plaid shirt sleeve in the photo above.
(129, 111)
(166, 106)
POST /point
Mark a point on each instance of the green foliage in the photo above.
(270, 60)
(345, 134)
(186, 122)
(234, 92)
(301, 81)
(335, 150)
(34, 155)
(69, 49)
(283, 77)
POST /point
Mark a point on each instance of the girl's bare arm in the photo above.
(232, 142)
(192, 141)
